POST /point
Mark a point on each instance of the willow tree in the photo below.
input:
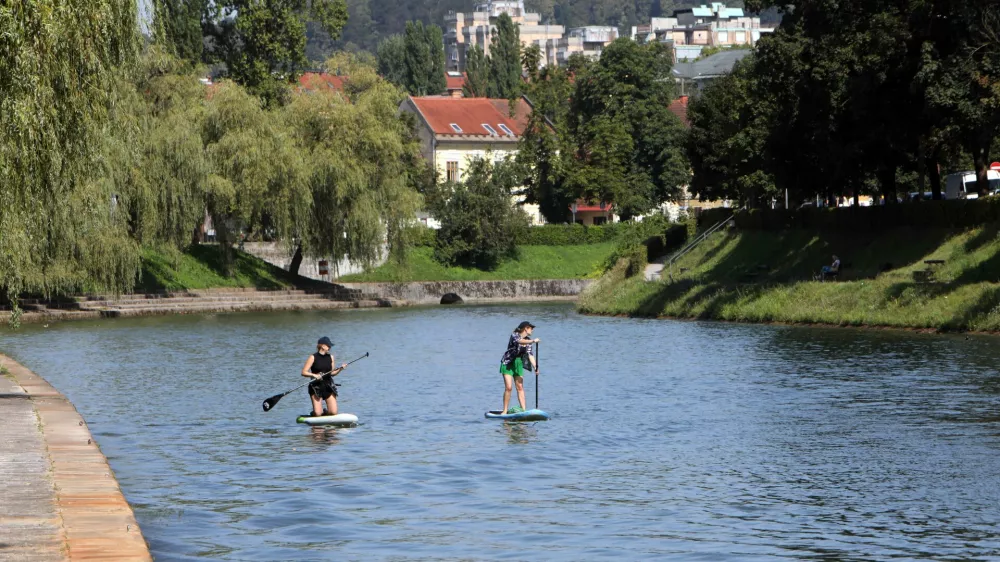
(169, 197)
(255, 172)
(359, 158)
(59, 93)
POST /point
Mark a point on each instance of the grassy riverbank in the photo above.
(759, 276)
(200, 267)
(535, 262)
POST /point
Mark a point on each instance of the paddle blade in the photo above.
(270, 402)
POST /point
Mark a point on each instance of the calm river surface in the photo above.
(669, 440)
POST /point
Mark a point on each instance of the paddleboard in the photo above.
(525, 416)
(339, 420)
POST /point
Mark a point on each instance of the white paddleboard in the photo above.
(340, 420)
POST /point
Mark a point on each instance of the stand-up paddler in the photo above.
(319, 366)
(513, 361)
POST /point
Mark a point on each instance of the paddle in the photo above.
(537, 364)
(270, 402)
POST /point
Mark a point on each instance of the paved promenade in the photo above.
(60, 500)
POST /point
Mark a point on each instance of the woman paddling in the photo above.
(513, 360)
(319, 366)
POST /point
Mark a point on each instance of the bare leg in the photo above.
(508, 382)
(520, 391)
(331, 406)
(317, 405)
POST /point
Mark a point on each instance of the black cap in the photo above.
(325, 341)
(523, 325)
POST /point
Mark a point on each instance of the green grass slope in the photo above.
(768, 277)
(535, 262)
(200, 267)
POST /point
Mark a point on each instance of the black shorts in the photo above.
(323, 388)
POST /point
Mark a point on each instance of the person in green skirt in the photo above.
(513, 361)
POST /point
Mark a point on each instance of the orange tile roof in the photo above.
(470, 114)
(316, 80)
(679, 107)
(584, 206)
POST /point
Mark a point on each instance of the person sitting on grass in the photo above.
(830, 270)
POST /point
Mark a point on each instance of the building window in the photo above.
(490, 130)
(452, 172)
(456, 128)
(506, 129)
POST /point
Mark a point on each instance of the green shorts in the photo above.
(515, 370)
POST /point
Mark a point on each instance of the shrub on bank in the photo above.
(545, 235)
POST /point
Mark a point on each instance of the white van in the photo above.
(962, 185)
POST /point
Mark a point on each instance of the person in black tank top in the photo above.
(319, 366)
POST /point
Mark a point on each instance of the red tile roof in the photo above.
(440, 112)
(583, 206)
(679, 107)
(316, 80)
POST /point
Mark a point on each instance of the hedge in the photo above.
(569, 234)
(546, 235)
(960, 213)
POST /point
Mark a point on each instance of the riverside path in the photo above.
(60, 499)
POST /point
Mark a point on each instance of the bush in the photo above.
(479, 224)
(642, 242)
(421, 236)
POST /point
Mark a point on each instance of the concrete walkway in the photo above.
(59, 498)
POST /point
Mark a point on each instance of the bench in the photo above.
(927, 275)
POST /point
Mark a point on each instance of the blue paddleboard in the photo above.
(525, 416)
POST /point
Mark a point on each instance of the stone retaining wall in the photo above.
(278, 255)
(430, 292)
(61, 499)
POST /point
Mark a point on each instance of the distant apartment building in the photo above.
(462, 31)
(689, 30)
(588, 41)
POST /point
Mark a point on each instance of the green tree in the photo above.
(476, 74)
(391, 56)
(179, 25)
(628, 146)
(263, 44)
(505, 60)
(65, 149)
(361, 168)
(419, 60)
(544, 151)
(437, 83)
(725, 143)
(531, 58)
(479, 221)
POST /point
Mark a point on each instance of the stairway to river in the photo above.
(201, 301)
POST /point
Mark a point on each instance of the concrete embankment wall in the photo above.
(431, 292)
(59, 499)
(278, 255)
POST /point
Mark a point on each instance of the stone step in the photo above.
(247, 306)
(214, 299)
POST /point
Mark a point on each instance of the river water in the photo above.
(669, 440)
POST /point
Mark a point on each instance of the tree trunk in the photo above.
(293, 267)
(887, 180)
(934, 175)
(980, 154)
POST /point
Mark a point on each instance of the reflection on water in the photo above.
(325, 435)
(519, 433)
(670, 440)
